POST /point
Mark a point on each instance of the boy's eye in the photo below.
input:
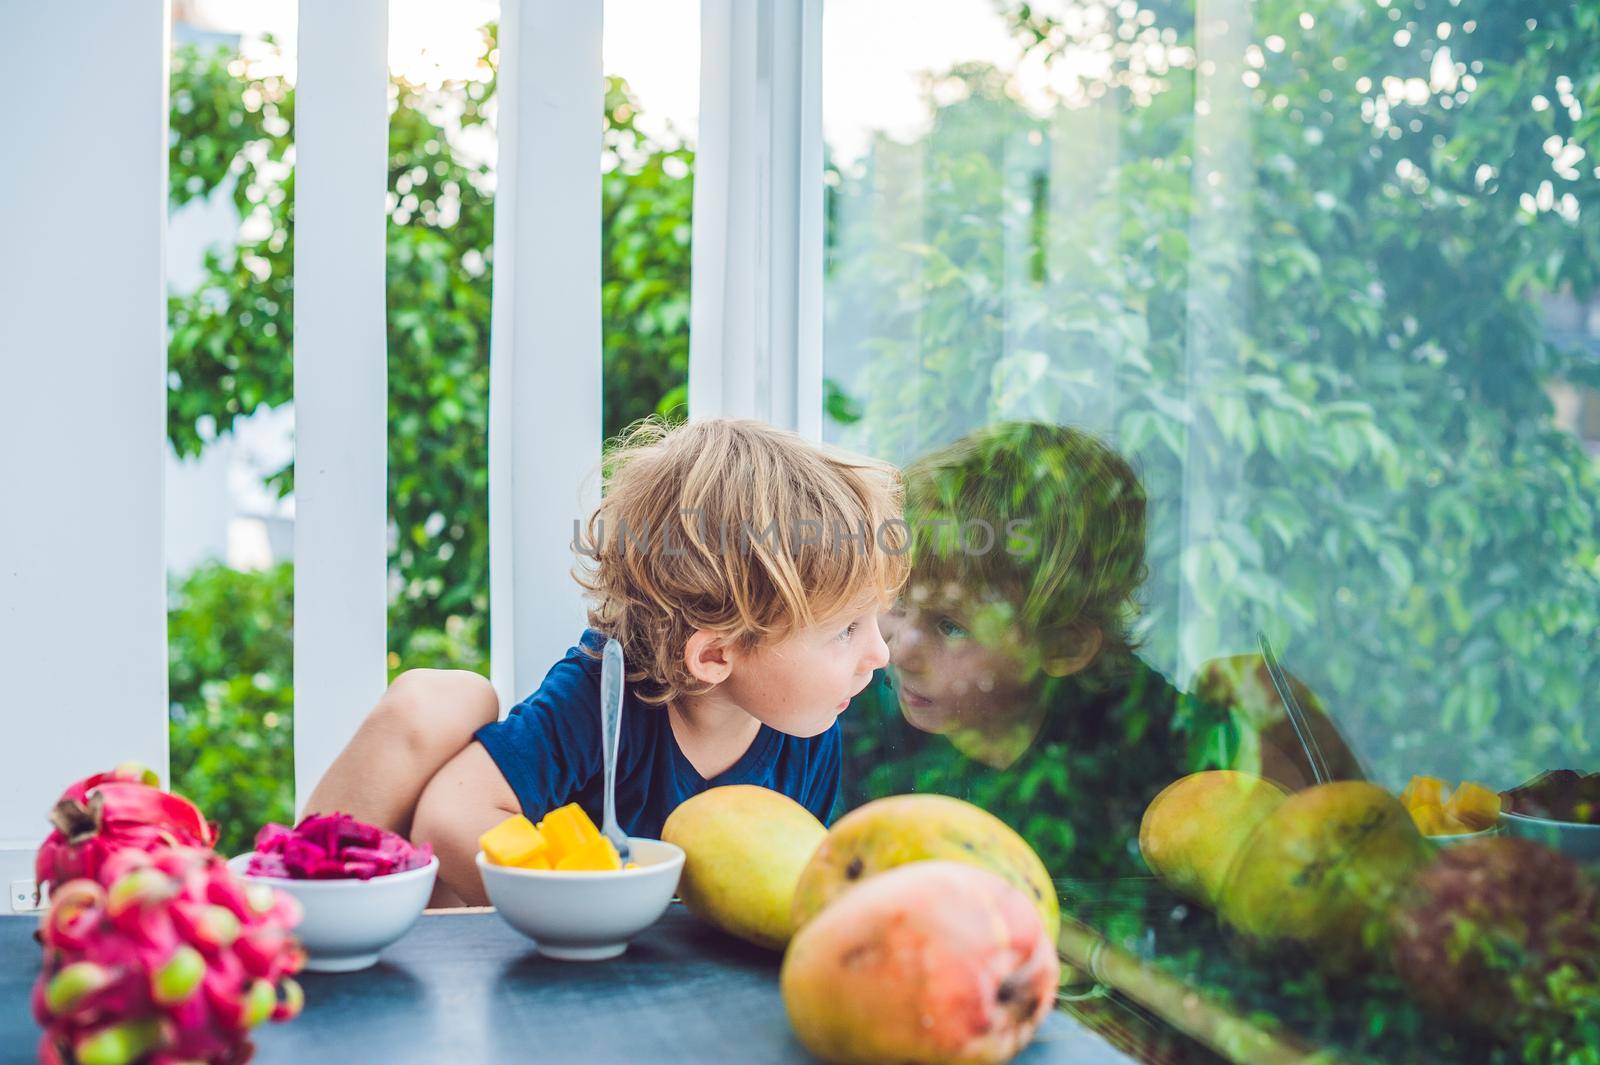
(951, 629)
(849, 631)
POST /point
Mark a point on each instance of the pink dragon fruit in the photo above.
(334, 847)
(100, 815)
(165, 957)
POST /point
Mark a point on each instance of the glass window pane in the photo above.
(1211, 328)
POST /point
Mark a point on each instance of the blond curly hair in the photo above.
(736, 527)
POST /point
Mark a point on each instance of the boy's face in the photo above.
(801, 684)
(947, 679)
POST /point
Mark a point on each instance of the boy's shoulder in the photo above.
(586, 652)
(563, 714)
(572, 680)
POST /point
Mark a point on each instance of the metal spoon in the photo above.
(611, 680)
(1297, 716)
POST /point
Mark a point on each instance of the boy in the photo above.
(1021, 656)
(743, 570)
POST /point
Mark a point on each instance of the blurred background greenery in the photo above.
(1349, 364)
(1312, 305)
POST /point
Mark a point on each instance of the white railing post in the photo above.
(1218, 311)
(545, 353)
(755, 338)
(82, 408)
(340, 377)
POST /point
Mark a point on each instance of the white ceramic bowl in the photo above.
(1457, 838)
(1575, 839)
(347, 922)
(584, 916)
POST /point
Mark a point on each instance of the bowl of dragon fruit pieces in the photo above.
(361, 887)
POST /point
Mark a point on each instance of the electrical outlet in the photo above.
(22, 897)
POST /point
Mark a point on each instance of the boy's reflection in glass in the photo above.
(1013, 681)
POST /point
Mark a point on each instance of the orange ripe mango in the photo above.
(1475, 806)
(568, 829)
(1435, 821)
(1440, 811)
(565, 840)
(514, 841)
(594, 855)
(1423, 791)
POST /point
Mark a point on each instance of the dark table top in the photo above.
(468, 988)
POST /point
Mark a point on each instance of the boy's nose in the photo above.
(907, 650)
(877, 650)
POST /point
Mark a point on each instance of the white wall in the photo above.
(82, 406)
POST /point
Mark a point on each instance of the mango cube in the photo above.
(594, 855)
(1440, 811)
(567, 830)
(514, 841)
(1423, 791)
(1474, 805)
(1434, 821)
(565, 840)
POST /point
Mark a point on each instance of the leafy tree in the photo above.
(230, 349)
(1327, 358)
(646, 204)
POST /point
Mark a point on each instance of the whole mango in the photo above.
(890, 832)
(1193, 830)
(744, 847)
(931, 963)
(1323, 870)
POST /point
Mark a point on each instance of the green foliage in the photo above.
(230, 354)
(228, 347)
(1315, 332)
(229, 645)
(230, 351)
(646, 203)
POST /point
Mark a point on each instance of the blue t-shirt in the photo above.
(548, 747)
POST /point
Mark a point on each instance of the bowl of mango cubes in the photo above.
(560, 883)
(1448, 816)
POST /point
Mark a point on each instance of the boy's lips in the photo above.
(924, 713)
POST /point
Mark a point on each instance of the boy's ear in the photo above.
(1073, 652)
(708, 657)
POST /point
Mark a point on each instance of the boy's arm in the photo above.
(464, 799)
